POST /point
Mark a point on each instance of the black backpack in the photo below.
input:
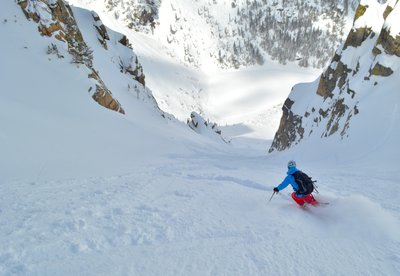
(306, 185)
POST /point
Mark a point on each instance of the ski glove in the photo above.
(276, 190)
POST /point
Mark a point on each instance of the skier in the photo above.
(299, 198)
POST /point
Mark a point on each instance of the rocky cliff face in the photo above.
(368, 57)
(55, 18)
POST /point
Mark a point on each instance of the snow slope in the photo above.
(200, 214)
(51, 128)
(88, 191)
(238, 100)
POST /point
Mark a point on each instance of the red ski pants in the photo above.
(305, 199)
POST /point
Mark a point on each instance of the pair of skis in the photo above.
(320, 203)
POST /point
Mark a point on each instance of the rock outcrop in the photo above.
(55, 17)
(204, 127)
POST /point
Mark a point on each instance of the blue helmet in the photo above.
(291, 163)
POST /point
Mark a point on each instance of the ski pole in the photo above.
(273, 193)
(315, 186)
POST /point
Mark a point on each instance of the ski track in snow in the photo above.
(205, 216)
(202, 211)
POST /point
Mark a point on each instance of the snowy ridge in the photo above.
(360, 80)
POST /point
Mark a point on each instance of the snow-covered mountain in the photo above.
(60, 67)
(355, 99)
(129, 190)
(233, 33)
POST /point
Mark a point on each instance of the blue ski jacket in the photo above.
(289, 179)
